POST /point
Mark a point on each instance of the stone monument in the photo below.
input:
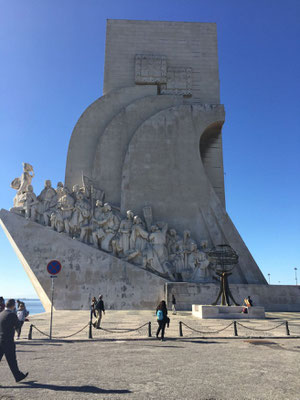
(143, 195)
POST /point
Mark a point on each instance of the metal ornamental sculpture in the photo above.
(224, 259)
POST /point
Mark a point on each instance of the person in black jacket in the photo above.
(2, 304)
(8, 324)
(162, 319)
(99, 308)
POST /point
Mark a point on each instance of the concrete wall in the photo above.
(272, 297)
(186, 44)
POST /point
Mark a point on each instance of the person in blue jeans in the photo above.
(162, 319)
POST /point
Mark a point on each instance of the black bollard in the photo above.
(91, 324)
(287, 331)
(180, 329)
(30, 332)
(149, 329)
(235, 328)
(90, 330)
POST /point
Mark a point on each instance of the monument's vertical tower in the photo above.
(155, 138)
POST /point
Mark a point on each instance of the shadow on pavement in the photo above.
(62, 388)
(34, 343)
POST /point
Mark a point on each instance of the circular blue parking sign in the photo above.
(54, 267)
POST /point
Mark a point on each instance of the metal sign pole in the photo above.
(52, 295)
(53, 268)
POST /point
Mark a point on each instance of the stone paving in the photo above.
(133, 366)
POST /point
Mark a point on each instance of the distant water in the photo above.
(34, 306)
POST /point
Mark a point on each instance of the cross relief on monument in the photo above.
(153, 70)
(150, 69)
(179, 81)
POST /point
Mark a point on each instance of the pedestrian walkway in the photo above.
(132, 366)
(123, 324)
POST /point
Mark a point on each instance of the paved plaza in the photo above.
(130, 365)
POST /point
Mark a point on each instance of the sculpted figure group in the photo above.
(82, 214)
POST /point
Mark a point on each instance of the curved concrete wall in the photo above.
(90, 126)
(113, 143)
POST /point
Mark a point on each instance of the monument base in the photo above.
(227, 312)
(271, 297)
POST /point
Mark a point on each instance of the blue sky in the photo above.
(51, 69)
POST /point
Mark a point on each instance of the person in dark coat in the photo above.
(2, 304)
(8, 324)
(162, 319)
(99, 309)
(173, 304)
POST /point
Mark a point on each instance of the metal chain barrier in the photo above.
(196, 330)
(260, 330)
(115, 330)
(123, 330)
(59, 337)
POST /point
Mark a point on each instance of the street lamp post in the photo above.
(269, 278)
(296, 276)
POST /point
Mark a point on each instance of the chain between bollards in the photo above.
(235, 328)
(180, 329)
(149, 329)
(30, 332)
(287, 331)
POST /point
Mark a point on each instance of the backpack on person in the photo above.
(160, 315)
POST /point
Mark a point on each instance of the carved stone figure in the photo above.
(139, 235)
(65, 206)
(110, 224)
(26, 177)
(80, 216)
(158, 241)
(122, 241)
(21, 185)
(30, 203)
(198, 263)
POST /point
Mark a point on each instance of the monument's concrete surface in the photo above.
(142, 208)
(154, 138)
(86, 272)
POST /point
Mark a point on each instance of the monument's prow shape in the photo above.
(144, 186)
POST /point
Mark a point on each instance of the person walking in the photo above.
(162, 319)
(8, 323)
(2, 304)
(99, 308)
(173, 304)
(21, 314)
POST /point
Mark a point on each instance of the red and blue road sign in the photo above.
(54, 267)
